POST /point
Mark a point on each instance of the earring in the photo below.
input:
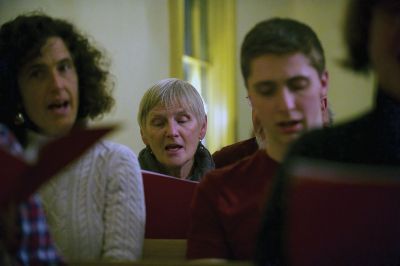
(19, 119)
(324, 104)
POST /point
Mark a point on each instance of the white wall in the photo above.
(134, 33)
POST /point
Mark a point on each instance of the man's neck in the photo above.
(275, 151)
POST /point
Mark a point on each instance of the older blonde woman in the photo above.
(172, 123)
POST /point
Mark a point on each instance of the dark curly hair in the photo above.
(21, 40)
(356, 34)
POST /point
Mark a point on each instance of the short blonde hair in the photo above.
(169, 92)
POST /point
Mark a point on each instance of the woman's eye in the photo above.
(36, 73)
(65, 66)
(157, 123)
(183, 119)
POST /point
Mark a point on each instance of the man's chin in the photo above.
(289, 139)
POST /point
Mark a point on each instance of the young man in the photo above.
(283, 67)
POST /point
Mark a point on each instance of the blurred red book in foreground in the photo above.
(19, 179)
(342, 214)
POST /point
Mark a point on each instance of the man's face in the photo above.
(287, 95)
(49, 88)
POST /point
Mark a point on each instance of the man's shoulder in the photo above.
(234, 152)
(241, 170)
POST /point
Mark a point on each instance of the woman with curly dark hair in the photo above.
(51, 80)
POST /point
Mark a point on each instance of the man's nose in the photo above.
(286, 100)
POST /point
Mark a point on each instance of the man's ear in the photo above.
(203, 129)
(257, 127)
(324, 85)
(144, 138)
(326, 116)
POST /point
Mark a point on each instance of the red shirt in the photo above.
(227, 209)
(235, 152)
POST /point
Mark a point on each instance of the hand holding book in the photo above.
(19, 179)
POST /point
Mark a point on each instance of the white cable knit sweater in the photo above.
(95, 208)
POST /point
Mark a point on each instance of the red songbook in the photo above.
(168, 200)
(19, 179)
(343, 214)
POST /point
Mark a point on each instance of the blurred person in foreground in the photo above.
(372, 35)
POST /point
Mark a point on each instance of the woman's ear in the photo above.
(203, 129)
(144, 138)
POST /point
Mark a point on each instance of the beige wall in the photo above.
(349, 94)
(136, 36)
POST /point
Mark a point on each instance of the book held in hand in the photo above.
(168, 201)
(19, 178)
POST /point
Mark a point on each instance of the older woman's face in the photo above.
(384, 46)
(173, 135)
(49, 88)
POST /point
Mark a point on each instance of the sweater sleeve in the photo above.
(124, 214)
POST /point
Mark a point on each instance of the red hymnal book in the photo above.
(19, 179)
(168, 201)
(343, 214)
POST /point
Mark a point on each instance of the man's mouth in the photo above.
(291, 126)
(288, 123)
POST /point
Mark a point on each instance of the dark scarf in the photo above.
(203, 162)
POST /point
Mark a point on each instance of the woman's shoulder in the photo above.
(113, 149)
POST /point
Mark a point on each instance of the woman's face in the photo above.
(384, 46)
(173, 135)
(49, 89)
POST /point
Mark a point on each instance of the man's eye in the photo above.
(266, 89)
(299, 84)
